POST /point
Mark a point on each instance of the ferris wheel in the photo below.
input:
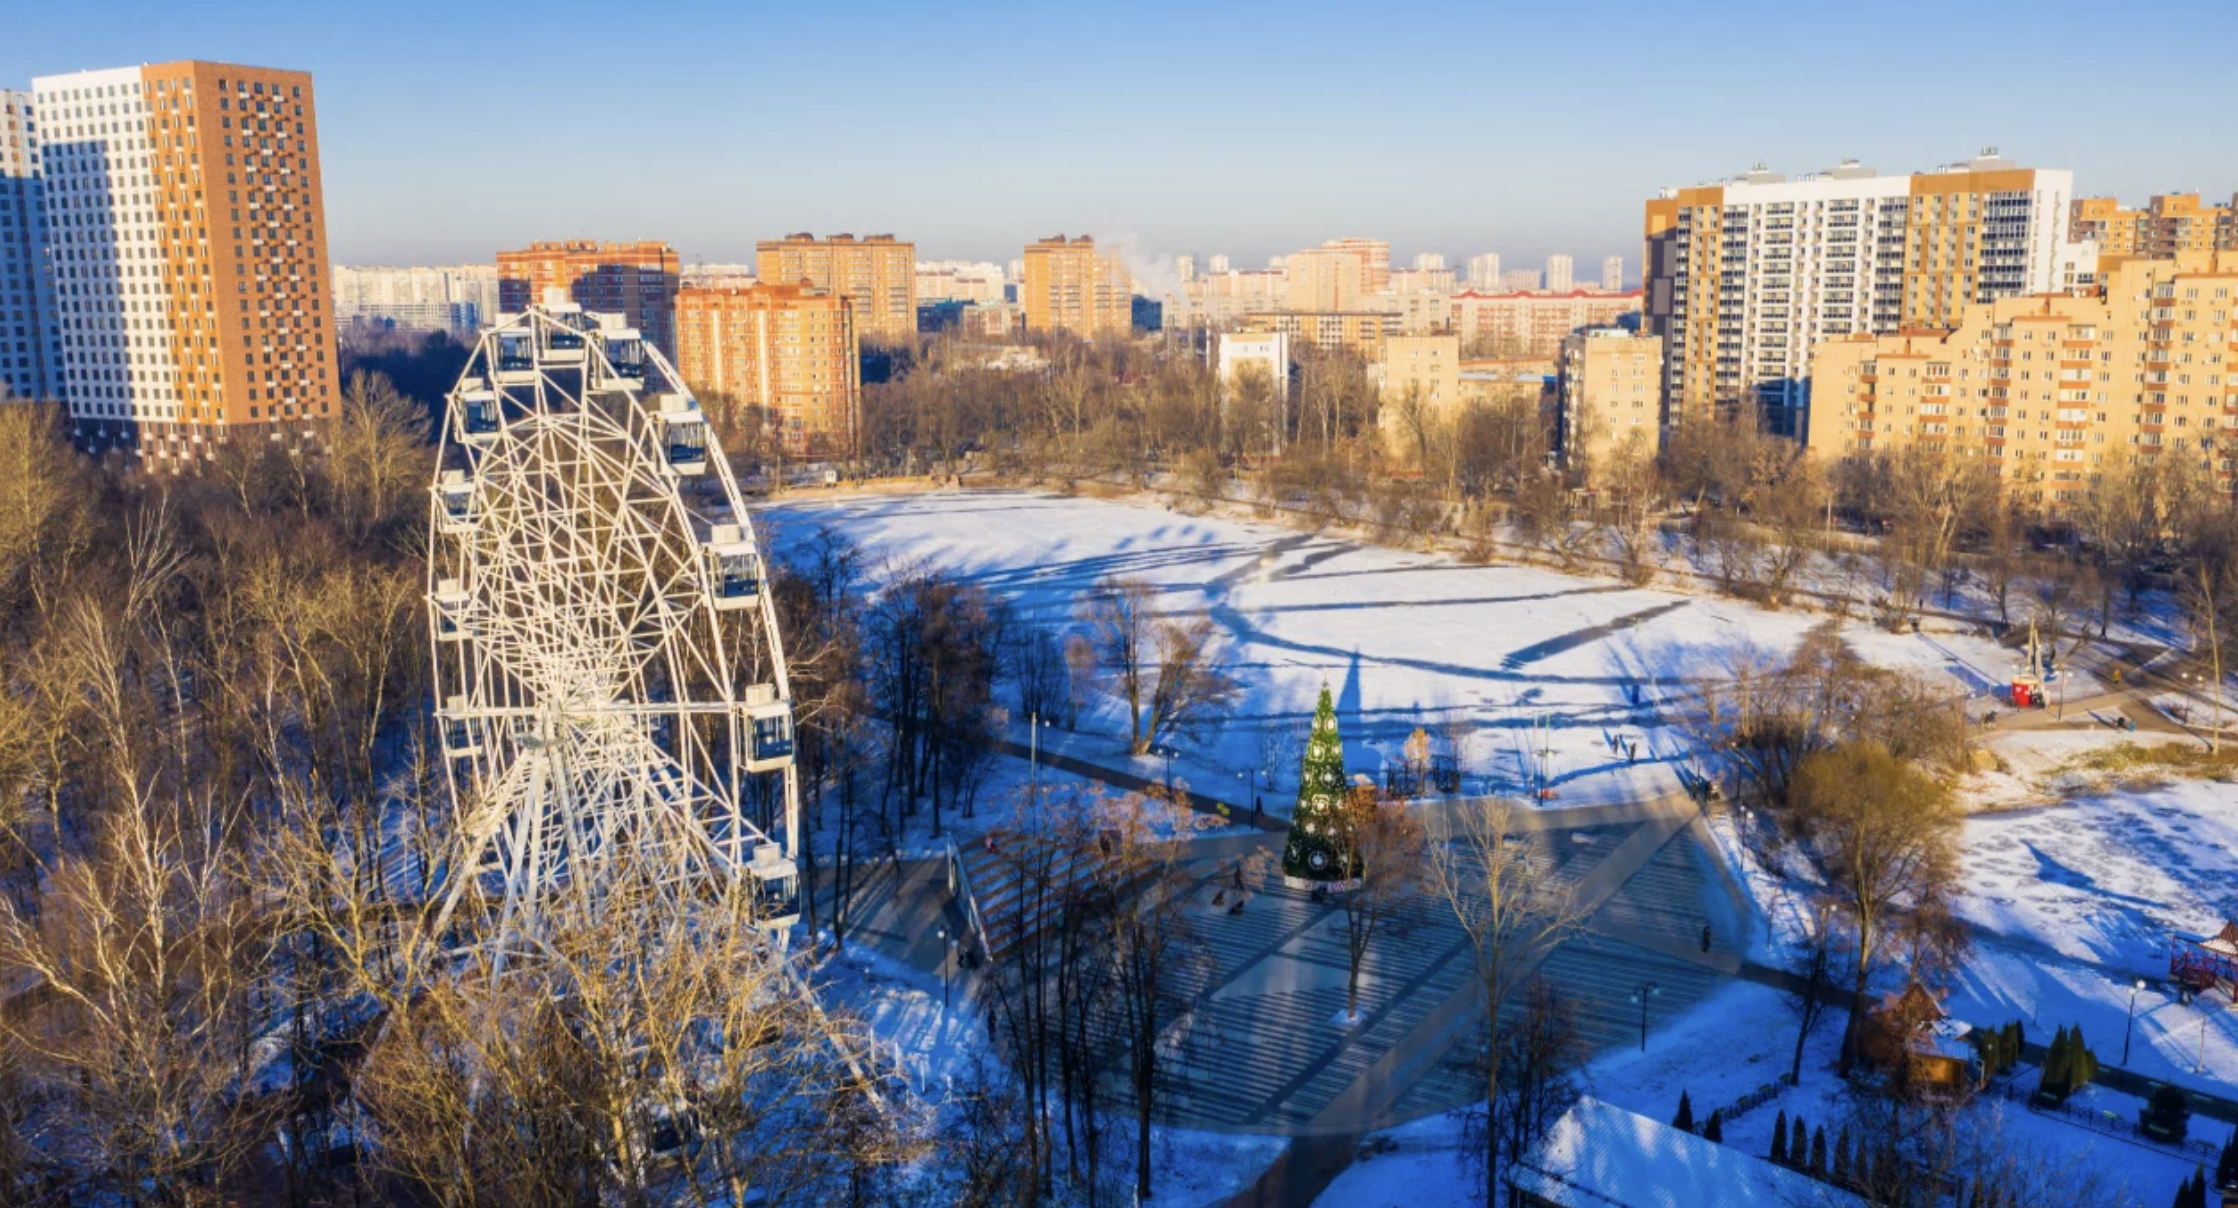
(609, 678)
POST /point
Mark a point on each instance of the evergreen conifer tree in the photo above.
(1779, 1139)
(1684, 1121)
(1798, 1143)
(1714, 1128)
(1841, 1156)
(2226, 1166)
(1311, 853)
(2053, 1082)
(1818, 1153)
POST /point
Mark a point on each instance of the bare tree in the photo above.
(1885, 836)
(1121, 626)
(1513, 908)
(1190, 692)
(1388, 852)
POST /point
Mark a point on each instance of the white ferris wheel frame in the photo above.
(602, 681)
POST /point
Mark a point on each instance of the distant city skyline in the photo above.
(959, 130)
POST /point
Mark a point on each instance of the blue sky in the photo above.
(452, 129)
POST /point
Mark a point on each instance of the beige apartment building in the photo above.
(1069, 287)
(1417, 378)
(2169, 223)
(877, 273)
(790, 350)
(1361, 331)
(1611, 394)
(2051, 390)
(1520, 324)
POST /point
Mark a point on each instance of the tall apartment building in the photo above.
(1414, 280)
(1531, 324)
(790, 350)
(1217, 265)
(186, 243)
(878, 273)
(958, 281)
(2169, 223)
(2050, 391)
(30, 354)
(1612, 274)
(1484, 271)
(1185, 268)
(635, 280)
(1362, 331)
(1429, 262)
(1521, 280)
(1325, 279)
(1611, 395)
(458, 298)
(1561, 274)
(1069, 287)
(1375, 260)
(1745, 279)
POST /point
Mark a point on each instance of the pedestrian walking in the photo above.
(1705, 937)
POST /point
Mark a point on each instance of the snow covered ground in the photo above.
(1520, 660)
(937, 1046)
(1730, 1045)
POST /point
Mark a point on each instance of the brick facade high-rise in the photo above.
(878, 273)
(1069, 287)
(637, 281)
(186, 237)
(791, 351)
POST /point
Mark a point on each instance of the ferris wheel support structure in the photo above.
(610, 682)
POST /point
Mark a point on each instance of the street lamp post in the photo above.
(1646, 991)
(2131, 1028)
(946, 946)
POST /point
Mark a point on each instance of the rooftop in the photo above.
(1599, 1156)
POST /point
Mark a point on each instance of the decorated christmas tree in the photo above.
(1312, 852)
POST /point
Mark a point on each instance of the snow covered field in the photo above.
(1404, 639)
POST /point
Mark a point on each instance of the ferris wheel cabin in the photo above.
(625, 356)
(516, 357)
(734, 568)
(776, 884)
(478, 415)
(683, 433)
(454, 497)
(769, 730)
(458, 737)
(559, 339)
(450, 601)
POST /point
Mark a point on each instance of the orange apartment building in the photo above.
(2052, 390)
(635, 280)
(1069, 287)
(1527, 324)
(186, 237)
(791, 351)
(877, 273)
(2169, 223)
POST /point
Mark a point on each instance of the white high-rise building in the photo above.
(1559, 272)
(30, 351)
(1484, 271)
(459, 298)
(1218, 265)
(1746, 277)
(93, 133)
(1428, 262)
(1612, 274)
(1185, 267)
